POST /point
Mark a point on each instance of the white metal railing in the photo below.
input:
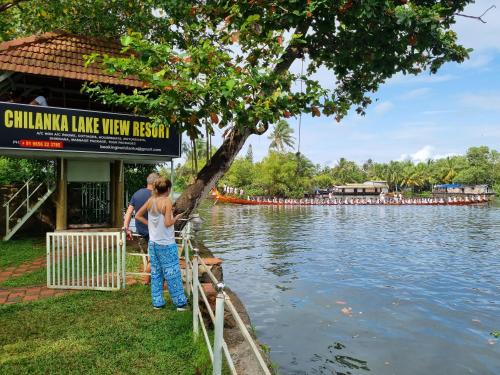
(86, 260)
(145, 255)
(96, 260)
(16, 216)
(219, 347)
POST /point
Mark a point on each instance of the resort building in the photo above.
(366, 188)
(44, 114)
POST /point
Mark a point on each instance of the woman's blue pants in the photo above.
(165, 265)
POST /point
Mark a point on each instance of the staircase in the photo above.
(16, 216)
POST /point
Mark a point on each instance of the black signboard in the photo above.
(31, 127)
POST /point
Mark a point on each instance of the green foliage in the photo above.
(242, 173)
(185, 173)
(18, 171)
(347, 172)
(482, 167)
(135, 176)
(102, 18)
(226, 63)
(323, 180)
(281, 137)
(286, 174)
(278, 174)
(196, 80)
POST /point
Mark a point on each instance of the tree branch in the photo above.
(9, 5)
(479, 18)
(292, 51)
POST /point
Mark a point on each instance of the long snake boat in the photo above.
(218, 197)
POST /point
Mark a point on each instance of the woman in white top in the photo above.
(162, 247)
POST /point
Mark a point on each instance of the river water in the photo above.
(366, 289)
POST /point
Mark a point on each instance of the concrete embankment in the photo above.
(244, 359)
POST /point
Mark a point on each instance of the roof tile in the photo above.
(59, 54)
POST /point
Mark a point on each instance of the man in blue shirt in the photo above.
(138, 200)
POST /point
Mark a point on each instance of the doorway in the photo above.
(89, 204)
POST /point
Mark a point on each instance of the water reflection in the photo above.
(407, 290)
(336, 363)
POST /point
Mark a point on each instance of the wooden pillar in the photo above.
(117, 193)
(62, 195)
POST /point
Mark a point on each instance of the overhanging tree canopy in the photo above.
(226, 63)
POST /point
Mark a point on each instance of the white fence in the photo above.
(96, 260)
(86, 260)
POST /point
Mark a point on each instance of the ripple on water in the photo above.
(393, 290)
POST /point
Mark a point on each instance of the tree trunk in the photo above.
(218, 164)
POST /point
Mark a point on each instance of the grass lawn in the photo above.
(14, 253)
(20, 251)
(93, 332)
(38, 277)
(99, 333)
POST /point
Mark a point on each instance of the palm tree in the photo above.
(415, 176)
(281, 137)
(394, 174)
(450, 170)
(347, 172)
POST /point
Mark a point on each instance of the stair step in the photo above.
(20, 221)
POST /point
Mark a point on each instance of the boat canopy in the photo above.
(448, 186)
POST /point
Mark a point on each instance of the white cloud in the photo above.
(485, 101)
(444, 156)
(383, 107)
(417, 93)
(424, 154)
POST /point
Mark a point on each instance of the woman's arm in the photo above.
(169, 217)
(140, 214)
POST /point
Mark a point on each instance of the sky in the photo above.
(417, 118)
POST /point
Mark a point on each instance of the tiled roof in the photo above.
(58, 54)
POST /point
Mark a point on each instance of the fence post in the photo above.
(219, 329)
(186, 258)
(123, 251)
(48, 251)
(196, 307)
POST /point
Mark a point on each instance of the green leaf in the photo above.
(230, 84)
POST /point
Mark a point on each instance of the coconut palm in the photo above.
(451, 169)
(281, 137)
(394, 174)
(347, 172)
(415, 176)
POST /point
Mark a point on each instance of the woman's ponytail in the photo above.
(161, 186)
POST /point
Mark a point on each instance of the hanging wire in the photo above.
(300, 114)
(299, 164)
